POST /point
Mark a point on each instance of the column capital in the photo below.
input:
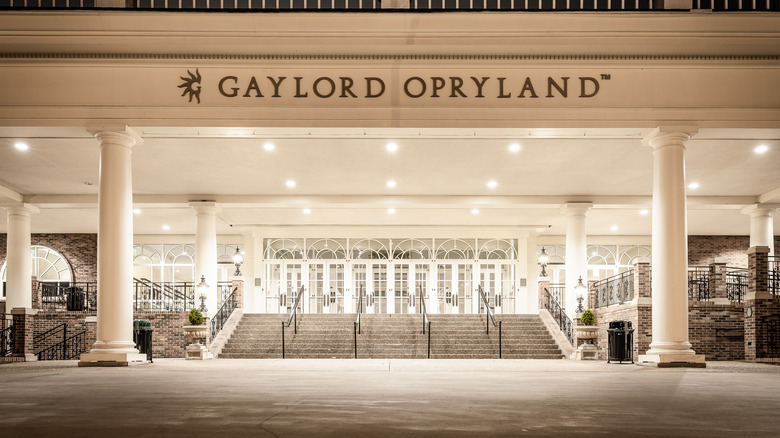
(576, 208)
(760, 210)
(22, 209)
(669, 135)
(118, 134)
(758, 250)
(206, 207)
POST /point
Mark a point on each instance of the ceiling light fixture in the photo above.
(492, 184)
(613, 227)
(474, 211)
(136, 211)
(21, 146)
(693, 185)
(390, 211)
(307, 211)
(391, 183)
(391, 147)
(761, 149)
(289, 183)
(269, 146)
(514, 147)
(166, 227)
(644, 212)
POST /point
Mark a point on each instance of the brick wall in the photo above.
(717, 331)
(45, 321)
(80, 250)
(704, 250)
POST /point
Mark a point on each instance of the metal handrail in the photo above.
(493, 318)
(293, 314)
(425, 320)
(558, 313)
(356, 326)
(223, 314)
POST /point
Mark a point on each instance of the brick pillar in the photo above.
(36, 294)
(757, 303)
(642, 280)
(23, 333)
(718, 284)
(238, 286)
(590, 298)
(544, 285)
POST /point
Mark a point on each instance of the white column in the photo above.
(114, 342)
(206, 250)
(527, 249)
(761, 226)
(18, 260)
(576, 251)
(248, 271)
(670, 250)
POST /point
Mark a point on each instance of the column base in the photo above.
(669, 360)
(111, 359)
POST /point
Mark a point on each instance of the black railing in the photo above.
(559, 314)
(699, 283)
(72, 297)
(736, 284)
(615, 290)
(358, 310)
(6, 335)
(425, 320)
(293, 317)
(484, 301)
(174, 296)
(558, 291)
(225, 289)
(58, 345)
(229, 304)
(773, 285)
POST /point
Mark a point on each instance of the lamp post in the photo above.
(543, 259)
(203, 290)
(579, 290)
(238, 260)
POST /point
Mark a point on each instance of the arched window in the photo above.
(455, 249)
(370, 249)
(283, 249)
(497, 249)
(327, 249)
(601, 255)
(629, 254)
(412, 249)
(48, 265)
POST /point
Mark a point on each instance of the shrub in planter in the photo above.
(587, 318)
(195, 317)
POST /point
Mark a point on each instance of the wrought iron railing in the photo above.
(559, 314)
(484, 301)
(358, 310)
(72, 297)
(736, 284)
(774, 276)
(175, 296)
(293, 317)
(558, 291)
(699, 279)
(6, 335)
(615, 290)
(425, 321)
(225, 289)
(220, 318)
(58, 345)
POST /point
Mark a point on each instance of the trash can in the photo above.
(621, 342)
(75, 299)
(142, 336)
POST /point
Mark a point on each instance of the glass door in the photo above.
(444, 287)
(316, 295)
(275, 297)
(359, 275)
(335, 295)
(464, 297)
(402, 297)
(507, 295)
(487, 279)
(293, 282)
(379, 288)
(420, 286)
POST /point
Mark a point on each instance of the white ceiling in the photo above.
(341, 176)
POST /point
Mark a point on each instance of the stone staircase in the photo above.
(390, 336)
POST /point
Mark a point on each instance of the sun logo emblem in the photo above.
(190, 86)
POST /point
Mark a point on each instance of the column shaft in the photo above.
(206, 251)
(576, 253)
(18, 258)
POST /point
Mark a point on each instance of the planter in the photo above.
(195, 333)
(589, 332)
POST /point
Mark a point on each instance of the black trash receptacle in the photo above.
(621, 342)
(142, 336)
(75, 299)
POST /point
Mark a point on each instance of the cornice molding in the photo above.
(381, 57)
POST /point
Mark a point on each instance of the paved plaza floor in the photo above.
(387, 398)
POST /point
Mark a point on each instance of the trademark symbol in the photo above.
(606, 77)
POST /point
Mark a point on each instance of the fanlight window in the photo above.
(497, 249)
(455, 249)
(556, 254)
(47, 265)
(370, 249)
(327, 249)
(180, 255)
(601, 255)
(284, 249)
(629, 254)
(225, 253)
(412, 249)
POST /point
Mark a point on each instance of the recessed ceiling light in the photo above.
(136, 211)
(644, 212)
(269, 146)
(492, 184)
(693, 185)
(289, 183)
(475, 211)
(390, 211)
(514, 147)
(166, 227)
(391, 183)
(307, 211)
(613, 228)
(391, 147)
(21, 146)
(761, 149)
